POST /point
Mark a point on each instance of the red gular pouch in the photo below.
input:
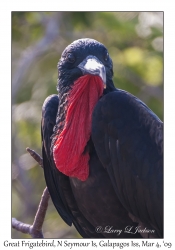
(68, 150)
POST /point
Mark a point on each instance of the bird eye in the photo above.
(106, 56)
(70, 57)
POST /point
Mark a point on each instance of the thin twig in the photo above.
(20, 226)
(41, 212)
(35, 156)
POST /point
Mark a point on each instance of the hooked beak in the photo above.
(93, 66)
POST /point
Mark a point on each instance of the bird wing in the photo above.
(128, 139)
(58, 184)
(49, 112)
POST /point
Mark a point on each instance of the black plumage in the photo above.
(123, 194)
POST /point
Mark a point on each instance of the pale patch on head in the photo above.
(91, 65)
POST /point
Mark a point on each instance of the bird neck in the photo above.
(109, 87)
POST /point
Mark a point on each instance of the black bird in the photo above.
(102, 150)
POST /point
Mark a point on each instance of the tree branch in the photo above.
(35, 230)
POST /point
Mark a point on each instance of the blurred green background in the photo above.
(135, 44)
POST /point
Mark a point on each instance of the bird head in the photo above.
(84, 57)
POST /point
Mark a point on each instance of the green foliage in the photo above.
(135, 44)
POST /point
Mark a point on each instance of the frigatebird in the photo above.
(102, 150)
